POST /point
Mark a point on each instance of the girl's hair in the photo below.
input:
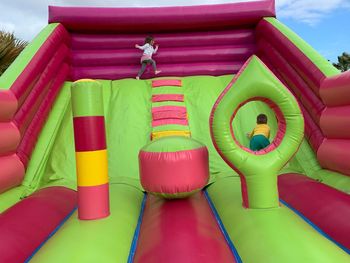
(148, 40)
(261, 119)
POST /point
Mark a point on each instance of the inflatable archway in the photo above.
(258, 170)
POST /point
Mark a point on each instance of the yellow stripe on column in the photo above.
(92, 168)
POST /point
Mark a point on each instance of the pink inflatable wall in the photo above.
(216, 43)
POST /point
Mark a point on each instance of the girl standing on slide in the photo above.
(146, 58)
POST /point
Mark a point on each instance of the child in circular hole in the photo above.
(148, 51)
(259, 137)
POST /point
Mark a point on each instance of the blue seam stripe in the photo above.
(319, 230)
(51, 234)
(222, 228)
(137, 232)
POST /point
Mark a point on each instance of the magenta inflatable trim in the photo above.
(181, 18)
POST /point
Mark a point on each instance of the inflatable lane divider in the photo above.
(196, 240)
(222, 228)
(314, 226)
(137, 231)
(91, 150)
(169, 119)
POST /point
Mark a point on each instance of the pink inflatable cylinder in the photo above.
(93, 202)
(334, 155)
(8, 105)
(11, 172)
(335, 122)
(9, 137)
(174, 167)
(335, 90)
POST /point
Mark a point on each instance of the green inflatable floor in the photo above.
(127, 105)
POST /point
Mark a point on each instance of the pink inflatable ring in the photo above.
(174, 167)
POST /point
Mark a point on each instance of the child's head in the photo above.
(261, 119)
(149, 40)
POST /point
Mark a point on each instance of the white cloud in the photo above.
(310, 12)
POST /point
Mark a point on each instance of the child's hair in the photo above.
(261, 119)
(148, 39)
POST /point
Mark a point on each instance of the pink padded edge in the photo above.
(296, 83)
(166, 82)
(158, 19)
(30, 106)
(93, 202)
(183, 122)
(28, 142)
(168, 97)
(27, 224)
(310, 73)
(326, 207)
(26, 80)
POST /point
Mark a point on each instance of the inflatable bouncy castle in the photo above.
(96, 166)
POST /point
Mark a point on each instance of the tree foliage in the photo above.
(343, 62)
(10, 48)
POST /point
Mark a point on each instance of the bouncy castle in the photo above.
(96, 166)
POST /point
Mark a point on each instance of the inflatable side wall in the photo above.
(27, 91)
(320, 89)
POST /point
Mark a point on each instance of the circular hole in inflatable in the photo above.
(245, 121)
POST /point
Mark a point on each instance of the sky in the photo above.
(324, 24)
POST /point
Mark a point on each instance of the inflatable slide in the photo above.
(96, 166)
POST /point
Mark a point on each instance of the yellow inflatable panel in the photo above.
(160, 134)
(92, 168)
